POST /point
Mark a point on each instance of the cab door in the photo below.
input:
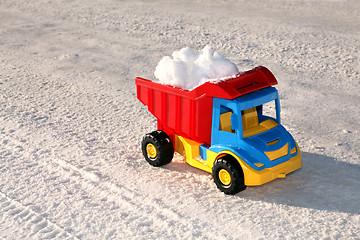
(226, 123)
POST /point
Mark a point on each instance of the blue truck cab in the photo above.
(261, 146)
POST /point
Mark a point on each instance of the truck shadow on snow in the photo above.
(322, 183)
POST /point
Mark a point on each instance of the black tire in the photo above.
(232, 179)
(157, 148)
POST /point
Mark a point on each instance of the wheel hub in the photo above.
(151, 150)
(224, 177)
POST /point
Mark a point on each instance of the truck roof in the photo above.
(242, 83)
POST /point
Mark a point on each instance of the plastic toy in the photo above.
(221, 128)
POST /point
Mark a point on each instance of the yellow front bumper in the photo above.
(254, 178)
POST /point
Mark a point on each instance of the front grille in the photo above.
(273, 155)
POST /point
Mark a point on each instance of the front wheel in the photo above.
(228, 175)
(157, 148)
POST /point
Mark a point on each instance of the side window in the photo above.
(225, 119)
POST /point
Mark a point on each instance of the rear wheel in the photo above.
(157, 148)
(228, 175)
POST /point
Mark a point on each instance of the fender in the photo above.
(245, 157)
(251, 176)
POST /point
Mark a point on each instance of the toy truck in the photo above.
(221, 128)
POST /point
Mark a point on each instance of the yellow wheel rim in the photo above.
(151, 150)
(224, 177)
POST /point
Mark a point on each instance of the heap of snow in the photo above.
(187, 69)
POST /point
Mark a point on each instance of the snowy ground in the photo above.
(70, 124)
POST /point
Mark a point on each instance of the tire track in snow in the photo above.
(137, 210)
(36, 225)
(162, 216)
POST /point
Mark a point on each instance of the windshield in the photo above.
(259, 119)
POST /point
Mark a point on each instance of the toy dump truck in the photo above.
(221, 128)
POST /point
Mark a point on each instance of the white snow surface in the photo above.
(188, 69)
(71, 165)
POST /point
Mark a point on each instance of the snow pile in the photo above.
(187, 69)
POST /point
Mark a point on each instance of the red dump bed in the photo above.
(189, 113)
